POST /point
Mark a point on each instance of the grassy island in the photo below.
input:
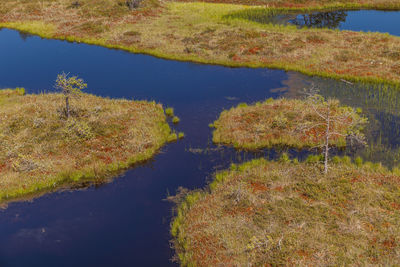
(282, 122)
(267, 213)
(41, 150)
(218, 34)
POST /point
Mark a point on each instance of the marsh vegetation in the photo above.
(216, 34)
(44, 146)
(284, 212)
(299, 123)
(288, 213)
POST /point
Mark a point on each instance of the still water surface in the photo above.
(126, 222)
(356, 20)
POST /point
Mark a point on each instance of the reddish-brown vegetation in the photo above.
(280, 213)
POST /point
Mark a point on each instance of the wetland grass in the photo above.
(284, 123)
(207, 33)
(41, 150)
(289, 213)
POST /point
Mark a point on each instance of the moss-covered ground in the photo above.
(266, 213)
(281, 123)
(41, 150)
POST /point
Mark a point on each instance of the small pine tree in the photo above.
(70, 87)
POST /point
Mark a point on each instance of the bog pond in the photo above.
(126, 222)
(353, 20)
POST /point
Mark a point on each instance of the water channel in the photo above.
(126, 222)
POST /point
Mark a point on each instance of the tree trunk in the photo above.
(326, 156)
(67, 106)
(327, 141)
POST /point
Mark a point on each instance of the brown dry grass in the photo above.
(269, 213)
(202, 32)
(281, 122)
(40, 150)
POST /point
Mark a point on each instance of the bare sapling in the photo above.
(333, 122)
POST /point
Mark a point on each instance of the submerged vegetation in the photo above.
(41, 148)
(288, 213)
(287, 123)
(209, 33)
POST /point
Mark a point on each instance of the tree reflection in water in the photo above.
(330, 20)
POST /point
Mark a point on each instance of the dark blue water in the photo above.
(362, 20)
(126, 222)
